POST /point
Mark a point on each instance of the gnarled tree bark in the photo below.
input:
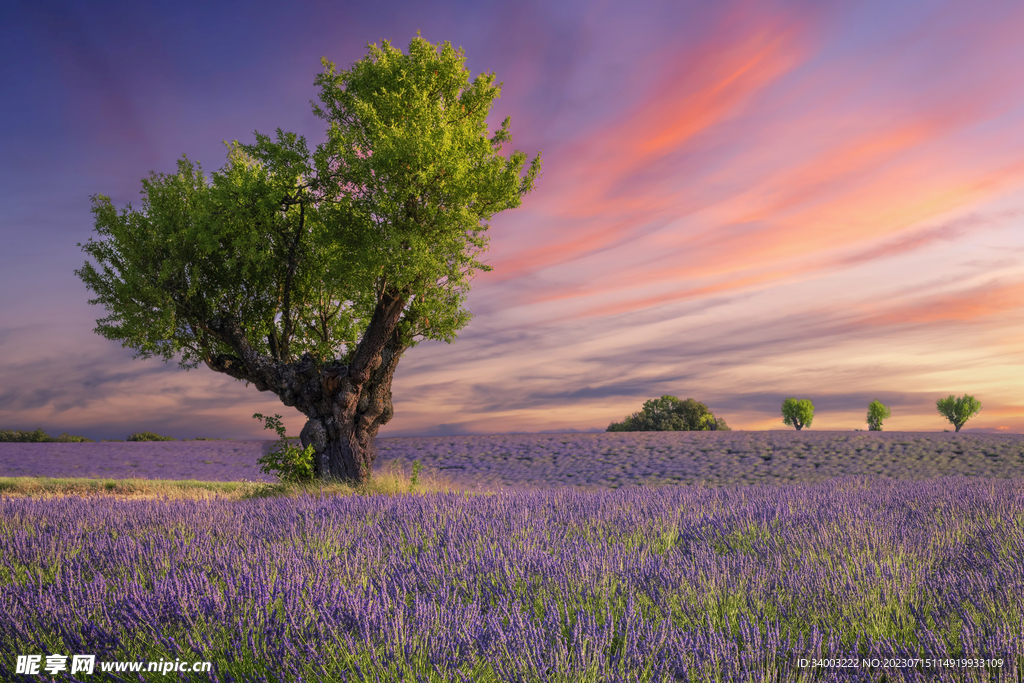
(345, 405)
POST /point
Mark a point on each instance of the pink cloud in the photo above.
(595, 192)
(850, 178)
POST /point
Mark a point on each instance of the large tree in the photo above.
(309, 274)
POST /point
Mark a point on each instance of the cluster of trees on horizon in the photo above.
(669, 414)
(39, 436)
(665, 414)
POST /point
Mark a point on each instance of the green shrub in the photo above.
(149, 436)
(14, 435)
(414, 479)
(38, 436)
(669, 414)
(287, 462)
(68, 438)
(797, 413)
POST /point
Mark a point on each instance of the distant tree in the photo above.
(669, 414)
(958, 410)
(309, 274)
(876, 413)
(69, 438)
(14, 435)
(39, 436)
(797, 413)
(149, 436)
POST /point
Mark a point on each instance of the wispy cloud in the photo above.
(994, 298)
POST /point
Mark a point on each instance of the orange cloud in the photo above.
(976, 303)
(784, 243)
(999, 411)
(667, 297)
(894, 199)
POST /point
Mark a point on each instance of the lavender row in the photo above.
(673, 584)
(585, 461)
(616, 459)
(177, 460)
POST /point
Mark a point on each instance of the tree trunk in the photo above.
(351, 403)
(343, 440)
(346, 404)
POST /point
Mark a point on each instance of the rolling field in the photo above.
(589, 461)
(615, 460)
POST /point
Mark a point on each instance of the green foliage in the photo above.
(39, 436)
(14, 435)
(288, 463)
(797, 413)
(149, 436)
(68, 438)
(298, 247)
(958, 410)
(669, 414)
(876, 413)
(416, 467)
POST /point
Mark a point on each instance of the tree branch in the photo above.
(261, 371)
(288, 327)
(231, 366)
(382, 325)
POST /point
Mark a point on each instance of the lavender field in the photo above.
(619, 459)
(903, 548)
(591, 461)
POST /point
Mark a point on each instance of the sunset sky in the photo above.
(740, 202)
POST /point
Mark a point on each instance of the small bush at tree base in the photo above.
(287, 462)
(797, 413)
(876, 413)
